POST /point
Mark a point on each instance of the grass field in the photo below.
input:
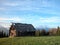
(48, 40)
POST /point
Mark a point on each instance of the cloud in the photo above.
(28, 8)
(42, 6)
(25, 3)
(2, 9)
(15, 3)
(10, 4)
(14, 19)
(35, 20)
(5, 24)
(32, 7)
(50, 20)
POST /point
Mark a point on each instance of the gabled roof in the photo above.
(23, 27)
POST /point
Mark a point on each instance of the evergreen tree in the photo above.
(6, 35)
(2, 33)
(58, 31)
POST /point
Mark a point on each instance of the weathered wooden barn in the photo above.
(19, 29)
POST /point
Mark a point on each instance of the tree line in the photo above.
(3, 34)
(43, 32)
(50, 32)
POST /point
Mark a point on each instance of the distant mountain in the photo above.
(43, 27)
(4, 29)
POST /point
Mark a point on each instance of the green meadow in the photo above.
(43, 40)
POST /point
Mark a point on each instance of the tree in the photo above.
(37, 32)
(1, 34)
(4, 34)
(43, 32)
(58, 31)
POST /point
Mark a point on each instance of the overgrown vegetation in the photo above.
(48, 40)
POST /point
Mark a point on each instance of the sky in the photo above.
(39, 13)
